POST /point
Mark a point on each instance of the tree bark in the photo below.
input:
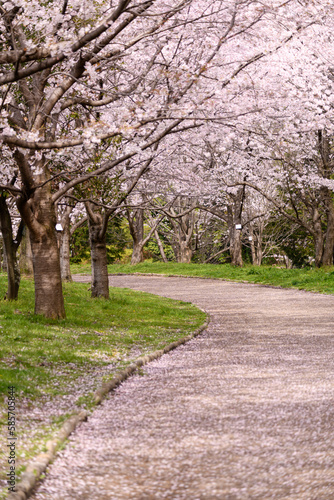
(254, 257)
(10, 248)
(136, 226)
(256, 244)
(185, 253)
(236, 247)
(183, 230)
(137, 253)
(318, 238)
(26, 265)
(4, 262)
(327, 258)
(98, 248)
(326, 169)
(160, 246)
(318, 249)
(49, 299)
(234, 237)
(38, 213)
(259, 256)
(288, 262)
(64, 245)
(234, 216)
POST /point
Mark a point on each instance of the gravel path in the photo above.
(245, 411)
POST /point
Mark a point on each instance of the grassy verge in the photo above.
(316, 280)
(55, 366)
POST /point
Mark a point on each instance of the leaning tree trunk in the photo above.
(137, 253)
(160, 245)
(98, 248)
(10, 249)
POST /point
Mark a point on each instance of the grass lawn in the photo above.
(316, 280)
(56, 365)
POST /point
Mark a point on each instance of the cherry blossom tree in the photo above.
(41, 112)
(121, 75)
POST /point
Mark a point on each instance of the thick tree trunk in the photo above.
(13, 270)
(182, 247)
(137, 253)
(4, 261)
(38, 213)
(49, 299)
(185, 252)
(98, 248)
(236, 247)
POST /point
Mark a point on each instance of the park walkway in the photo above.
(244, 411)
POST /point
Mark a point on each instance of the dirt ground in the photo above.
(244, 411)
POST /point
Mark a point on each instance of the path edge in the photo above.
(32, 475)
(226, 280)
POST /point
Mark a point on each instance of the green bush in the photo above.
(116, 242)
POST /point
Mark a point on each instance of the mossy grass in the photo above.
(312, 279)
(59, 363)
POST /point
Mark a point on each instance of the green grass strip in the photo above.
(56, 365)
(315, 280)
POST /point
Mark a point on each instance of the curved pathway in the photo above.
(245, 411)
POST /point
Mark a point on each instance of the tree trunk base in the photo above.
(49, 299)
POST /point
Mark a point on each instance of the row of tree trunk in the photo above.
(45, 253)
